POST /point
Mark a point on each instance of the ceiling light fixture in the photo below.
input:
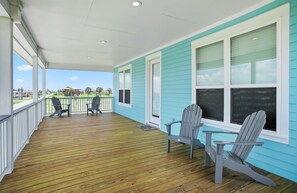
(136, 3)
(103, 41)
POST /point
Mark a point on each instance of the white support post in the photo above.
(35, 78)
(6, 81)
(43, 83)
(44, 88)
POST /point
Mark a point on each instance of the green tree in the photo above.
(99, 89)
(69, 91)
(88, 90)
(109, 91)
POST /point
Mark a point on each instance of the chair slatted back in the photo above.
(96, 102)
(249, 132)
(57, 104)
(191, 117)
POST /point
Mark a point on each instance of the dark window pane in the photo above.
(127, 96)
(245, 101)
(121, 96)
(212, 103)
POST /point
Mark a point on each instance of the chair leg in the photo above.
(192, 150)
(87, 112)
(168, 146)
(219, 169)
(207, 159)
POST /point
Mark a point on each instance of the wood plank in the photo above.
(108, 153)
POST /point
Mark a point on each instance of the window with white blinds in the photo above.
(244, 69)
(210, 80)
(253, 75)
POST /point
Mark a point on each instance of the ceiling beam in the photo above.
(30, 39)
(4, 8)
(80, 67)
(13, 10)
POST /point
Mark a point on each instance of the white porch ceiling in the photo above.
(69, 31)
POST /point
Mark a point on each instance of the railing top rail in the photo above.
(4, 117)
(27, 106)
(82, 97)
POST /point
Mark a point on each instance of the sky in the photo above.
(58, 79)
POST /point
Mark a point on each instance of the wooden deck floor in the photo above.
(108, 153)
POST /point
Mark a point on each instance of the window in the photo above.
(243, 69)
(253, 75)
(210, 80)
(125, 78)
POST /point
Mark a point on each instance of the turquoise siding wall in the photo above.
(136, 112)
(275, 157)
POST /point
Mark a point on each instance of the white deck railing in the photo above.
(4, 125)
(24, 122)
(79, 105)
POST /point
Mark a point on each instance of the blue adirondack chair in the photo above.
(58, 107)
(235, 159)
(95, 106)
(189, 128)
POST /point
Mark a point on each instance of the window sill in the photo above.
(265, 134)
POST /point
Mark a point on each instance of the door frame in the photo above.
(147, 88)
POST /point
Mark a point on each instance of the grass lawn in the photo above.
(16, 101)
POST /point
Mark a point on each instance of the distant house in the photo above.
(71, 91)
(24, 93)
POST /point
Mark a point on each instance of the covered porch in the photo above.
(109, 153)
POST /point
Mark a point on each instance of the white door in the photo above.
(154, 92)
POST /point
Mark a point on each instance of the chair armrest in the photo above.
(221, 132)
(168, 126)
(238, 143)
(171, 123)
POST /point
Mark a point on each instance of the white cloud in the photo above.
(73, 78)
(24, 67)
(20, 80)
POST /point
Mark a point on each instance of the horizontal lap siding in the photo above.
(176, 81)
(274, 157)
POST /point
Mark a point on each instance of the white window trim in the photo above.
(157, 55)
(122, 69)
(280, 16)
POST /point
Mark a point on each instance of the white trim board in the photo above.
(157, 55)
